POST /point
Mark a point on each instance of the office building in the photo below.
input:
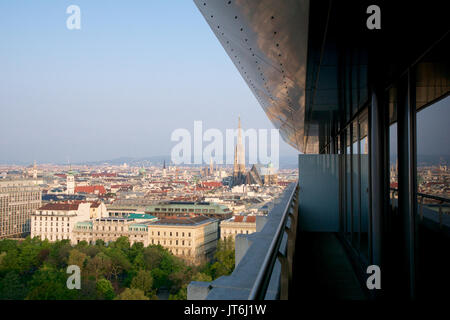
(18, 200)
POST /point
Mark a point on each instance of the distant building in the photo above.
(18, 200)
(70, 183)
(254, 175)
(55, 221)
(109, 229)
(261, 175)
(124, 211)
(237, 225)
(193, 239)
(177, 208)
(97, 210)
(239, 174)
(270, 176)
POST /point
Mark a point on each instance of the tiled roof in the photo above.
(249, 219)
(58, 206)
(90, 189)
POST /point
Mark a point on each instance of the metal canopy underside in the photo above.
(268, 43)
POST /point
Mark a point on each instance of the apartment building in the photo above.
(55, 221)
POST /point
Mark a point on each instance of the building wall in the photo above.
(231, 229)
(192, 243)
(98, 212)
(108, 231)
(18, 200)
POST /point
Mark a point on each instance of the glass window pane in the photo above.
(364, 178)
(348, 190)
(355, 185)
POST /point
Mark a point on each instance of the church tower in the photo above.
(164, 171)
(70, 183)
(239, 159)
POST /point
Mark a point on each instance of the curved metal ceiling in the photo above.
(267, 43)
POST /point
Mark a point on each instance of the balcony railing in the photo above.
(439, 202)
(264, 259)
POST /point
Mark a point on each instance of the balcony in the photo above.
(280, 257)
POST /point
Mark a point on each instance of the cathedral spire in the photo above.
(239, 158)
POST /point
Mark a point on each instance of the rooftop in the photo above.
(184, 221)
(59, 206)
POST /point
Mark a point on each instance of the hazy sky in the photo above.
(433, 130)
(135, 72)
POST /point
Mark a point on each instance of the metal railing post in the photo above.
(259, 289)
(284, 281)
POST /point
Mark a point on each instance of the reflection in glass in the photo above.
(355, 185)
(364, 178)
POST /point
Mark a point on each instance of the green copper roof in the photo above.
(145, 216)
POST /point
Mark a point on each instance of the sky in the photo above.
(119, 86)
(433, 130)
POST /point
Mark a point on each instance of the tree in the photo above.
(11, 288)
(100, 243)
(119, 261)
(135, 250)
(10, 261)
(122, 243)
(152, 257)
(105, 289)
(132, 294)
(138, 262)
(77, 258)
(7, 245)
(43, 255)
(82, 244)
(160, 278)
(199, 276)
(49, 284)
(59, 254)
(88, 289)
(180, 295)
(179, 279)
(98, 266)
(224, 258)
(143, 281)
(91, 251)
